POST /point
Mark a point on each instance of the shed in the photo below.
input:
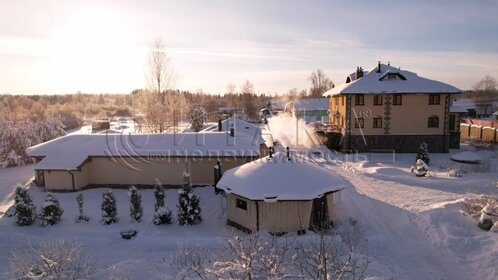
(280, 195)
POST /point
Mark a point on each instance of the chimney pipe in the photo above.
(220, 126)
(378, 68)
(270, 152)
(232, 131)
(288, 153)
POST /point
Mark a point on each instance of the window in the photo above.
(433, 121)
(377, 122)
(378, 100)
(242, 204)
(433, 99)
(359, 99)
(397, 100)
(342, 100)
(359, 123)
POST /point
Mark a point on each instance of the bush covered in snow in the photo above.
(58, 259)
(81, 217)
(189, 212)
(161, 213)
(109, 210)
(24, 209)
(136, 210)
(51, 211)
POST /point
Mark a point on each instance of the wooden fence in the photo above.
(484, 133)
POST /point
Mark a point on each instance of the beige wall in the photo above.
(415, 112)
(368, 112)
(58, 180)
(246, 218)
(407, 119)
(335, 105)
(285, 216)
(201, 169)
(136, 171)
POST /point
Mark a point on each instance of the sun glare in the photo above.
(93, 53)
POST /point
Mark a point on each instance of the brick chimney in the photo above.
(359, 73)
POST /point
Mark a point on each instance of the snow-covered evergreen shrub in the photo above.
(421, 168)
(423, 153)
(197, 118)
(24, 209)
(189, 212)
(162, 215)
(109, 210)
(51, 211)
(57, 259)
(81, 217)
(136, 210)
(159, 195)
(486, 219)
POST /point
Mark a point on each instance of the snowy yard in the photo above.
(416, 226)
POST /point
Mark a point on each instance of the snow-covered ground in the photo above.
(415, 226)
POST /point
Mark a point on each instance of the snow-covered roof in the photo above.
(70, 151)
(391, 80)
(308, 104)
(239, 125)
(279, 179)
(462, 105)
(495, 113)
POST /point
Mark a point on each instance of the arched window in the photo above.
(433, 121)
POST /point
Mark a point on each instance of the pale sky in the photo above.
(101, 46)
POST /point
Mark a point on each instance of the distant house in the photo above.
(280, 195)
(81, 161)
(308, 109)
(389, 109)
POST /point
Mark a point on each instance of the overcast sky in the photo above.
(101, 46)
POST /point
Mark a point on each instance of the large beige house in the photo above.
(389, 109)
(79, 161)
(280, 195)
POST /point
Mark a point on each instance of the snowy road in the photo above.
(406, 223)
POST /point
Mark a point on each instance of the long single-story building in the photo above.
(79, 161)
(280, 195)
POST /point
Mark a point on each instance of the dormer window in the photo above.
(392, 76)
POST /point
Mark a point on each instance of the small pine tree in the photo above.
(51, 211)
(189, 212)
(109, 210)
(159, 195)
(423, 153)
(136, 210)
(24, 209)
(197, 118)
(161, 215)
(81, 217)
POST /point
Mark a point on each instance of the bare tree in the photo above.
(332, 256)
(190, 263)
(320, 83)
(485, 93)
(57, 259)
(156, 102)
